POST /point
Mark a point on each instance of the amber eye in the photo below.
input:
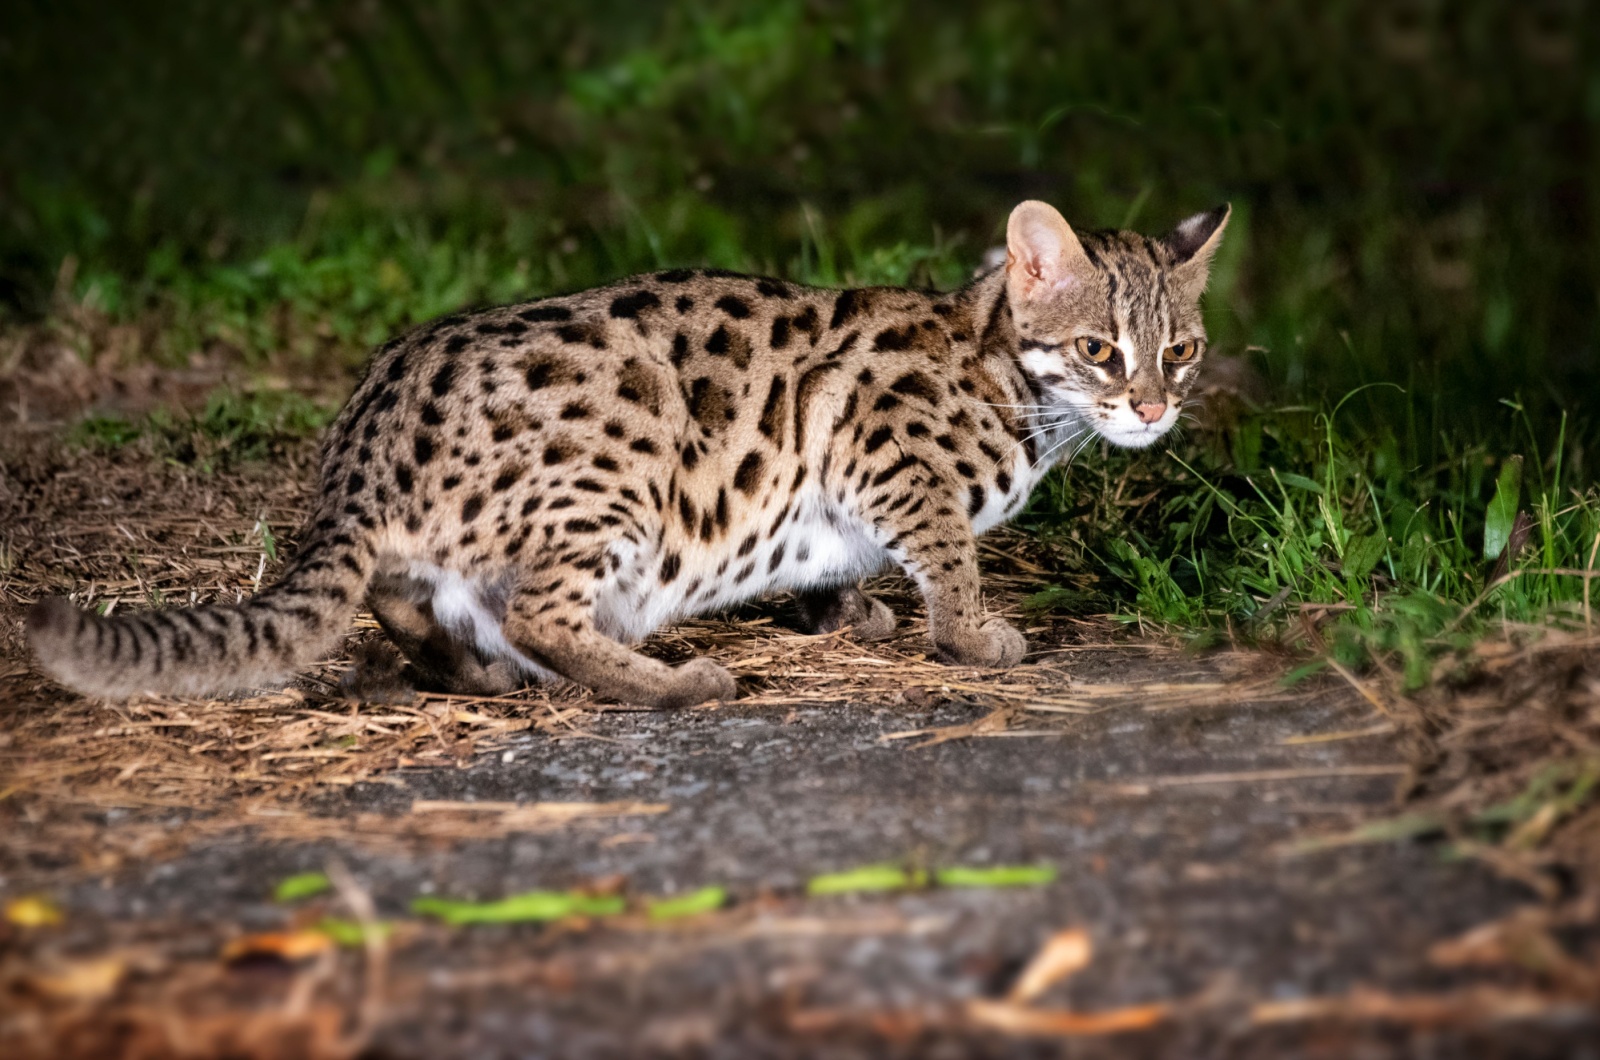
(1182, 353)
(1095, 350)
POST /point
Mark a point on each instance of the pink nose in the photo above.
(1149, 411)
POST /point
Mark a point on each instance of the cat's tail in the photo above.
(216, 648)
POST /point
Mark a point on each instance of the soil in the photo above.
(1173, 793)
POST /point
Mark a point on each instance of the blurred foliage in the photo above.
(1415, 182)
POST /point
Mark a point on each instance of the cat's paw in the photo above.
(995, 644)
(878, 624)
(1007, 645)
(830, 610)
(699, 681)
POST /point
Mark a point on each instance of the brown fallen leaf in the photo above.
(85, 980)
(1066, 953)
(1011, 1018)
(290, 946)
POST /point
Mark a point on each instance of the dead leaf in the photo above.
(290, 946)
(86, 980)
(1011, 1018)
(1066, 953)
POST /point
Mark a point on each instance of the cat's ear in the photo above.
(1042, 253)
(1196, 239)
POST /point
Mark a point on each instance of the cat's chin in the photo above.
(1132, 438)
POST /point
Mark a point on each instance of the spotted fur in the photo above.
(520, 493)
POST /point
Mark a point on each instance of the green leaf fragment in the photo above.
(867, 878)
(1362, 553)
(1502, 514)
(349, 933)
(705, 900)
(302, 885)
(997, 876)
(518, 908)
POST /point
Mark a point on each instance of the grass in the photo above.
(234, 426)
(1279, 527)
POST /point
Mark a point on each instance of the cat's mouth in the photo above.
(1127, 432)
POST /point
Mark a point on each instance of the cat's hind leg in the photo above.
(547, 625)
(442, 649)
(827, 610)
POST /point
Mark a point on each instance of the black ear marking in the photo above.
(1201, 232)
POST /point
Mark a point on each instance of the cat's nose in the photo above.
(1149, 411)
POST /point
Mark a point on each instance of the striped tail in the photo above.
(214, 649)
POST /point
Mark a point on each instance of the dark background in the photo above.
(1414, 183)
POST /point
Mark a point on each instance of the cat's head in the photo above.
(1109, 322)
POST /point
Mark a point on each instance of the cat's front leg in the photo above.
(943, 561)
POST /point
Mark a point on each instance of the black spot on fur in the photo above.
(546, 314)
(894, 339)
(747, 478)
(683, 304)
(845, 306)
(675, 276)
(975, 498)
(443, 379)
(877, 438)
(457, 343)
(737, 308)
(643, 445)
(422, 449)
(914, 384)
(717, 343)
(774, 289)
(575, 411)
(471, 508)
(630, 305)
(582, 333)
(670, 564)
(554, 455)
(780, 333)
(772, 413)
(680, 349)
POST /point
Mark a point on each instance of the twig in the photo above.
(1366, 693)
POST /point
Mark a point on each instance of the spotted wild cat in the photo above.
(522, 492)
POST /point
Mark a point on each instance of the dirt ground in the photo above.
(1180, 798)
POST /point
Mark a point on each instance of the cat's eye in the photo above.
(1181, 353)
(1095, 350)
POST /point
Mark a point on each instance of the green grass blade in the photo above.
(997, 876)
(302, 885)
(705, 900)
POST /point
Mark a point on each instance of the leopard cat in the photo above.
(521, 493)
